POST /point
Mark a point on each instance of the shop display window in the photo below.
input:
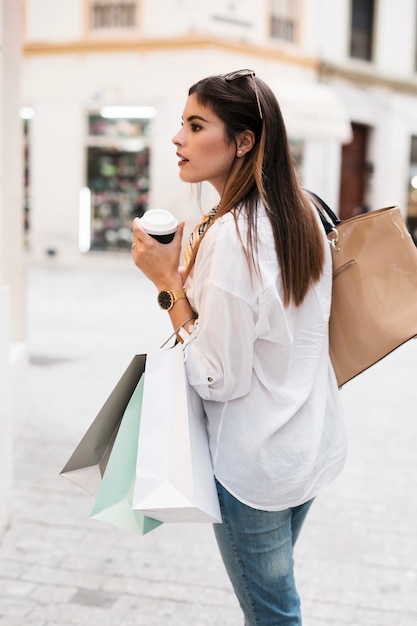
(99, 126)
(117, 178)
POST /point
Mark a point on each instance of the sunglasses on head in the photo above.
(241, 74)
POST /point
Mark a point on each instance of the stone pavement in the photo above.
(356, 559)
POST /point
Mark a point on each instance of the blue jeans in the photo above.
(257, 551)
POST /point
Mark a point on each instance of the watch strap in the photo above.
(178, 294)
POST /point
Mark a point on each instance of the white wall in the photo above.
(57, 176)
(394, 46)
(332, 29)
(63, 20)
(54, 20)
(14, 260)
(13, 356)
(321, 170)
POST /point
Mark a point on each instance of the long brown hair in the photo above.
(268, 174)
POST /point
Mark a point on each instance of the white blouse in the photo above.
(270, 394)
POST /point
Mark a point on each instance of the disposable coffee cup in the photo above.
(161, 225)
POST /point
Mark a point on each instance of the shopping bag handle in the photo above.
(192, 317)
(328, 218)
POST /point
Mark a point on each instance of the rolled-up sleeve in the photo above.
(219, 353)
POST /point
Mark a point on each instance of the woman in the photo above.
(252, 311)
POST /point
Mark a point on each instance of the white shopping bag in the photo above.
(174, 473)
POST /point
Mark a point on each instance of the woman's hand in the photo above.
(158, 261)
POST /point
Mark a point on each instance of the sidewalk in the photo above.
(356, 561)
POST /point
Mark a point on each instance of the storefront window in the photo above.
(118, 158)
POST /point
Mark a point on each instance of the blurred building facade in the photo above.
(344, 74)
(106, 81)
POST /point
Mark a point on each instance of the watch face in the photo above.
(165, 300)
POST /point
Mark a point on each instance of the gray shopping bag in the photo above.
(87, 464)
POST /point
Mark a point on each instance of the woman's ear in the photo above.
(244, 142)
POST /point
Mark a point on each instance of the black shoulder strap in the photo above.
(328, 218)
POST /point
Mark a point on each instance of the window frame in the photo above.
(111, 31)
(365, 39)
(290, 17)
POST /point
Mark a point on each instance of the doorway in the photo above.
(354, 174)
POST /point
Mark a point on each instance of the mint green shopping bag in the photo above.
(113, 503)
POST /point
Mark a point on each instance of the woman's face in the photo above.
(203, 150)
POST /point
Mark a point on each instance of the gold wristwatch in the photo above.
(167, 299)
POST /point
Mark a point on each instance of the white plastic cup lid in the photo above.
(159, 222)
